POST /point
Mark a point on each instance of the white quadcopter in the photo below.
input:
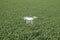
(29, 19)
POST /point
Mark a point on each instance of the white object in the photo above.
(29, 19)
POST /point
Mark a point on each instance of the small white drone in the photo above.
(29, 19)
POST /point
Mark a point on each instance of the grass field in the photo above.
(46, 27)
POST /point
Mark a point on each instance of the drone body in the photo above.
(29, 19)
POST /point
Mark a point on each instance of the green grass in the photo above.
(46, 27)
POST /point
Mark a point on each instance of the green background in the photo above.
(13, 27)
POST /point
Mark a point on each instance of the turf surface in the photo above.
(46, 27)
